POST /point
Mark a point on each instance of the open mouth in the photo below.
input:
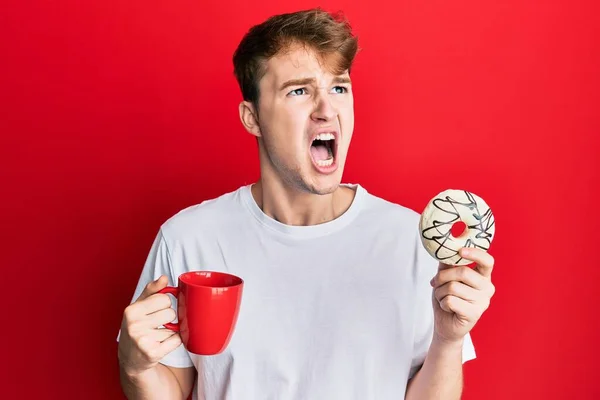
(323, 149)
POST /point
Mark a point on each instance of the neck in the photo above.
(292, 206)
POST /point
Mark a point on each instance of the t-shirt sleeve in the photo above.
(426, 268)
(158, 263)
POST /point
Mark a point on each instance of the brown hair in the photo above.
(330, 35)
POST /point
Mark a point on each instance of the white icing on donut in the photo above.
(447, 208)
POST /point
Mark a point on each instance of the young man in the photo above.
(339, 300)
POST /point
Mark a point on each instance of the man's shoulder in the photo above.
(379, 208)
(207, 215)
(398, 224)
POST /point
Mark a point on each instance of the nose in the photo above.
(324, 109)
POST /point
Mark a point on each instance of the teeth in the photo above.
(325, 136)
(325, 163)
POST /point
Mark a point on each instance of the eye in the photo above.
(296, 92)
(340, 89)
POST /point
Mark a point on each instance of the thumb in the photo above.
(154, 287)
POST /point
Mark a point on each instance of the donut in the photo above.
(442, 212)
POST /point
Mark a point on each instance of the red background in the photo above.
(115, 115)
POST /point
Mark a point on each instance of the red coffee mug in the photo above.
(208, 304)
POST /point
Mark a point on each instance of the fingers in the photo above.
(456, 289)
(152, 349)
(483, 259)
(160, 317)
(149, 301)
(160, 335)
(462, 274)
(460, 307)
(143, 345)
(154, 303)
(154, 287)
(170, 344)
(149, 313)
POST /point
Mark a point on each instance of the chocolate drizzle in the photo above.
(440, 231)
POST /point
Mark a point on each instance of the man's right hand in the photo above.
(142, 344)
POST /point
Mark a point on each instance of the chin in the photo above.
(323, 185)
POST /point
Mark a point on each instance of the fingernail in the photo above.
(431, 281)
(465, 252)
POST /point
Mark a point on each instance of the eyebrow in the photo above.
(308, 81)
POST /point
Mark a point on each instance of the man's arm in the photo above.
(160, 382)
(441, 376)
(142, 345)
(460, 296)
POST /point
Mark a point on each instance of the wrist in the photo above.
(447, 344)
(135, 373)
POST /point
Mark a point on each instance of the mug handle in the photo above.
(175, 292)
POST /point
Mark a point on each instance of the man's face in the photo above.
(306, 120)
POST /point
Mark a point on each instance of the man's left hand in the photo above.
(461, 295)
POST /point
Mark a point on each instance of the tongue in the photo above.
(319, 152)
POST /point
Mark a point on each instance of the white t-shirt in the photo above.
(340, 310)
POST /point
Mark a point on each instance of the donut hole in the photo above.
(458, 228)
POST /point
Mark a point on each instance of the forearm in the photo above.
(440, 377)
(156, 383)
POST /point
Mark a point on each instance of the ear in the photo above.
(248, 118)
